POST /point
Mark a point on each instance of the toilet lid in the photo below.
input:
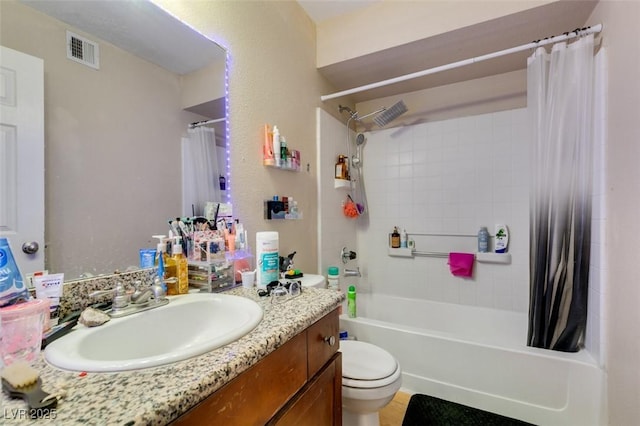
(362, 361)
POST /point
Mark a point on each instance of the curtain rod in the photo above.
(550, 40)
(204, 123)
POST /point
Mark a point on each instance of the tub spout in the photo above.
(352, 272)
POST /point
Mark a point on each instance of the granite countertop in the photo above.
(156, 396)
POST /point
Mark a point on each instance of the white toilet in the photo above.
(371, 377)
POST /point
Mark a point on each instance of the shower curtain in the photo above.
(560, 103)
(200, 172)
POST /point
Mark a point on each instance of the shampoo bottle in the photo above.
(182, 268)
(502, 238)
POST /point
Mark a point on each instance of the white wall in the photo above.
(335, 230)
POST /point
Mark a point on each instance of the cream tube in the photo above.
(50, 287)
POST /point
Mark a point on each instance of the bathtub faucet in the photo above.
(352, 272)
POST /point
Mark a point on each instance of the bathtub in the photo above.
(478, 357)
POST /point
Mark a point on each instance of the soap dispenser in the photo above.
(169, 266)
(182, 267)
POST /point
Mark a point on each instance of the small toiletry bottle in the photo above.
(483, 240)
(182, 267)
(342, 171)
(395, 238)
(160, 276)
(351, 301)
(240, 241)
(502, 238)
(404, 238)
(169, 278)
(333, 278)
(283, 152)
(276, 146)
(267, 148)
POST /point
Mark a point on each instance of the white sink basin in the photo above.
(188, 326)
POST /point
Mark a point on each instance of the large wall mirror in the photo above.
(114, 133)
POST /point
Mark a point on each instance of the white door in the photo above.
(22, 157)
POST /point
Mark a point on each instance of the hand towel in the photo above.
(461, 264)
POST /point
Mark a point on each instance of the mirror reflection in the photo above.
(120, 154)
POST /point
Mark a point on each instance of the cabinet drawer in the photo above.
(320, 346)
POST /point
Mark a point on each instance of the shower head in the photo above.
(390, 114)
(359, 139)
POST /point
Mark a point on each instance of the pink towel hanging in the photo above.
(461, 264)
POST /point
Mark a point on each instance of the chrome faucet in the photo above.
(352, 272)
(141, 300)
(120, 296)
(144, 295)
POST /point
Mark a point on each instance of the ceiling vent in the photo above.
(83, 50)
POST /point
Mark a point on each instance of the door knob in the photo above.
(30, 248)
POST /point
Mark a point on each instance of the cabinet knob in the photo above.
(331, 340)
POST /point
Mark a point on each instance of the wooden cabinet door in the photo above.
(323, 341)
(320, 403)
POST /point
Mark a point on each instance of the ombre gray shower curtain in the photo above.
(560, 102)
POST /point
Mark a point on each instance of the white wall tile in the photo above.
(452, 176)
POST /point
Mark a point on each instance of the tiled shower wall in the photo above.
(449, 177)
(446, 177)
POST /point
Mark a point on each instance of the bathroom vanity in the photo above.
(300, 380)
(284, 371)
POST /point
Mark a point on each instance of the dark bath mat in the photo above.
(424, 410)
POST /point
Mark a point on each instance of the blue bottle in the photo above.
(12, 288)
(483, 240)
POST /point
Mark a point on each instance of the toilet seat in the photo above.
(367, 366)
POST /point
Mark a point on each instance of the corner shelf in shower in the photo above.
(341, 183)
(400, 252)
(502, 258)
(497, 258)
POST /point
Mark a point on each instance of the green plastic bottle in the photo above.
(351, 301)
